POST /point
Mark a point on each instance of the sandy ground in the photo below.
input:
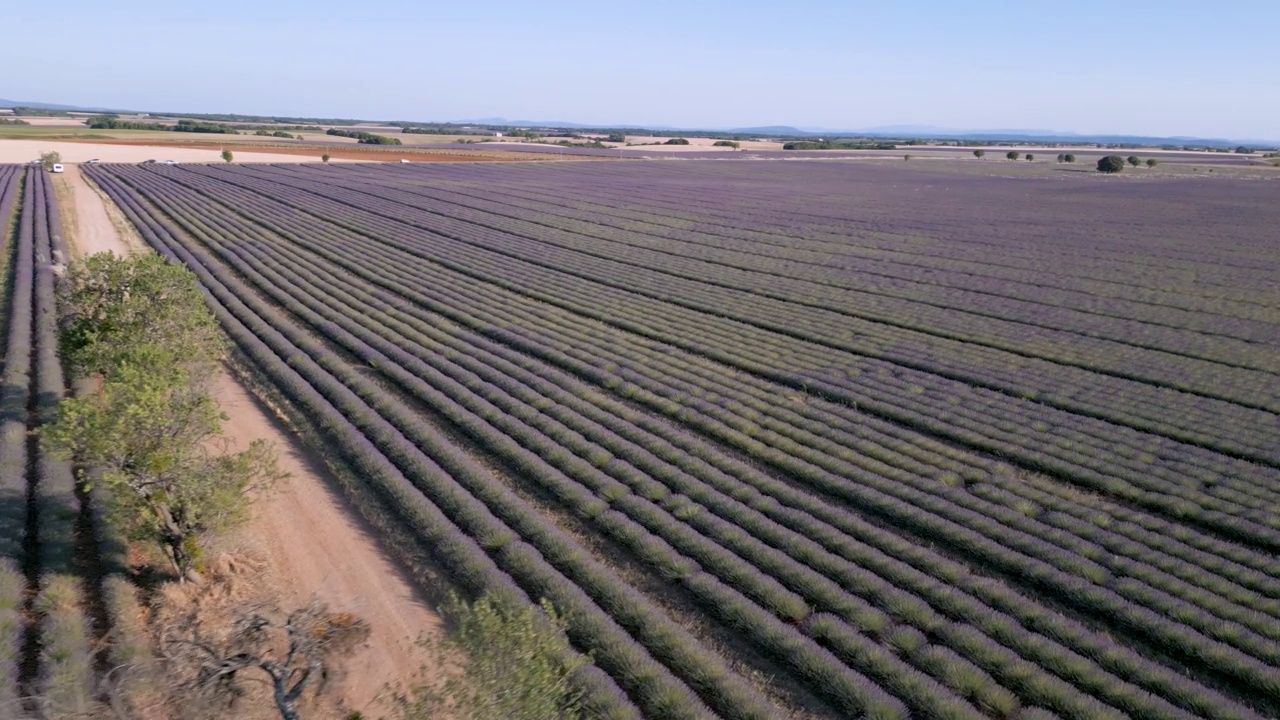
(21, 151)
(310, 543)
(314, 548)
(89, 226)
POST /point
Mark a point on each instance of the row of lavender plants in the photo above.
(15, 322)
(49, 631)
(1229, 495)
(796, 203)
(1148, 408)
(648, 513)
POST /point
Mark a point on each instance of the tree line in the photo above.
(364, 138)
(113, 122)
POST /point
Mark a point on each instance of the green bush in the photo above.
(518, 666)
(1111, 164)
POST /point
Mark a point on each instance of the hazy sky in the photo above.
(1166, 67)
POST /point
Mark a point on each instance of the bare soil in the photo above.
(313, 547)
(86, 221)
(75, 150)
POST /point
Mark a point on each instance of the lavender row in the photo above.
(879, 217)
(442, 281)
(708, 674)
(298, 378)
(1221, 471)
(830, 285)
(830, 679)
(1151, 416)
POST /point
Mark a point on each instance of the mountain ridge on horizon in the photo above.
(901, 130)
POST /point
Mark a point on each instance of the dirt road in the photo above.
(315, 548)
(86, 221)
(311, 545)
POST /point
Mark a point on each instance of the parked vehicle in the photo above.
(170, 162)
(94, 161)
(148, 162)
(57, 167)
(406, 162)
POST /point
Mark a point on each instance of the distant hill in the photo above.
(53, 106)
(770, 130)
(903, 132)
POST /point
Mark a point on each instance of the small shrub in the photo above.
(1134, 160)
(979, 153)
(518, 666)
(1013, 154)
(1030, 157)
(1152, 162)
(1069, 158)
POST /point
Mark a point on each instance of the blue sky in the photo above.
(1124, 66)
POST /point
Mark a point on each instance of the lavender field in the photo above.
(795, 439)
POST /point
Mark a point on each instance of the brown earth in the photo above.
(302, 541)
(313, 547)
(86, 220)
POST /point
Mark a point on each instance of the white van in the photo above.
(57, 167)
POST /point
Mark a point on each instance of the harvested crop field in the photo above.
(795, 439)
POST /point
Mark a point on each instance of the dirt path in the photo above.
(311, 544)
(314, 547)
(86, 221)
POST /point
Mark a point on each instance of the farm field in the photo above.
(795, 439)
(57, 556)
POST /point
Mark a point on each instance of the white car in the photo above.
(94, 161)
(57, 167)
(169, 162)
(406, 162)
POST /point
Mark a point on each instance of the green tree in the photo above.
(1134, 160)
(676, 141)
(151, 435)
(979, 153)
(617, 137)
(324, 157)
(49, 159)
(1062, 158)
(1069, 158)
(227, 156)
(906, 157)
(110, 302)
(1013, 154)
(1030, 157)
(1111, 164)
(1152, 162)
(149, 430)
